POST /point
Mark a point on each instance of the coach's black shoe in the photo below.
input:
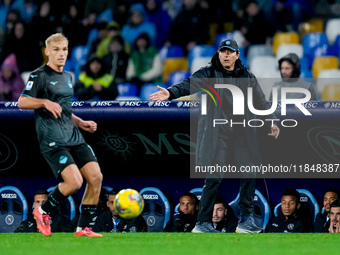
(204, 227)
(248, 226)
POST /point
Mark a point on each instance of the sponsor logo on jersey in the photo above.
(53, 83)
(29, 85)
(33, 76)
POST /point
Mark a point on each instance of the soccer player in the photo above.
(290, 221)
(49, 92)
(334, 216)
(322, 220)
(223, 218)
(185, 219)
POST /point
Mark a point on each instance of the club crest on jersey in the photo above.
(70, 84)
(29, 85)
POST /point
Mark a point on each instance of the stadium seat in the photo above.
(284, 38)
(259, 50)
(327, 84)
(78, 58)
(312, 26)
(212, 33)
(325, 62)
(13, 208)
(331, 92)
(332, 29)
(311, 40)
(264, 67)
(67, 207)
(198, 63)
(320, 51)
(200, 51)
(173, 51)
(156, 209)
(147, 89)
(128, 90)
(261, 209)
(306, 74)
(172, 65)
(284, 49)
(178, 76)
(307, 201)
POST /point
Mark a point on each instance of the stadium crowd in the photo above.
(131, 38)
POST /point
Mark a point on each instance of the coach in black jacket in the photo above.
(224, 144)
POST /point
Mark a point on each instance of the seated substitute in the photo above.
(334, 216)
(29, 225)
(290, 221)
(223, 218)
(185, 219)
(322, 220)
(109, 221)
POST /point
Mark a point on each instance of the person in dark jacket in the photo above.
(30, 225)
(223, 218)
(94, 83)
(185, 219)
(224, 144)
(109, 221)
(334, 215)
(289, 66)
(322, 220)
(290, 221)
(117, 59)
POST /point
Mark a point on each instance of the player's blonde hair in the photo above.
(58, 37)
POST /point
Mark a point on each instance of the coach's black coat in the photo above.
(214, 73)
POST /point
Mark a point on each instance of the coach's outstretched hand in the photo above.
(161, 95)
(275, 131)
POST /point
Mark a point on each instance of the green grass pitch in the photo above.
(169, 243)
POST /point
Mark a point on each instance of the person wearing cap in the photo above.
(289, 66)
(290, 220)
(224, 144)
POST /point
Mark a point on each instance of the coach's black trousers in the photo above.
(234, 152)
